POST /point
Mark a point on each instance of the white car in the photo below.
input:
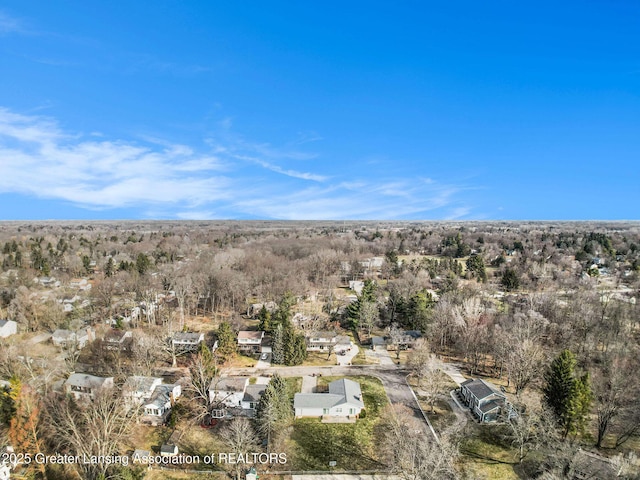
(264, 356)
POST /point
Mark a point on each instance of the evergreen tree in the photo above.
(476, 267)
(277, 346)
(568, 397)
(109, 268)
(226, 340)
(353, 310)
(274, 410)
(142, 263)
(265, 319)
(510, 279)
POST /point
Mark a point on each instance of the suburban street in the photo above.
(392, 376)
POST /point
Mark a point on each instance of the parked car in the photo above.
(264, 356)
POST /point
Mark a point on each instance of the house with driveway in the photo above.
(326, 341)
(343, 402)
(484, 400)
(250, 341)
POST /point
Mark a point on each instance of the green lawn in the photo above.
(485, 455)
(314, 444)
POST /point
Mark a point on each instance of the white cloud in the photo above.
(10, 24)
(238, 179)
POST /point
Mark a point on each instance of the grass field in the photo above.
(319, 359)
(486, 456)
(314, 444)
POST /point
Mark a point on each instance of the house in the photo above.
(356, 286)
(155, 397)
(116, 339)
(252, 395)
(80, 283)
(250, 341)
(67, 338)
(228, 391)
(407, 340)
(187, 341)
(158, 406)
(141, 456)
(483, 399)
(8, 328)
(137, 388)
(168, 450)
(326, 341)
(84, 387)
(344, 400)
(254, 308)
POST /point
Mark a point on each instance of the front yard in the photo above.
(312, 444)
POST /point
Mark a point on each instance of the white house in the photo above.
(344, 400)
(187, 341)
(228, 391)
(252, 395)
(84, 387)
(158, 406)
(155, 397)
(327, 341)
(8, 328)
(249, 340)
(137, 388)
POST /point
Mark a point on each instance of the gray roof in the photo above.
(85, 380)
(187, 337)
(138, 383)
(481, 389)
(229, 384)
(161, 395)
(316, 400)
(253, 393)
(349, 389)
(491, 405)
(340, 391)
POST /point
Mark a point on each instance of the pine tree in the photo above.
(274, 409)
(109, 268)
(569, 397)
(277, 346)
(265, 319)
(226, 340)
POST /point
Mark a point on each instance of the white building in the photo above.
(343, 400)
(85, 387)
(8, 328)
(228, 391)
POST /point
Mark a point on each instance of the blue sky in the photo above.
(319, 110)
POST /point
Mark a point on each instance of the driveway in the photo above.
(348, 356)
(379, 352)
(263, 363)
(309, 384)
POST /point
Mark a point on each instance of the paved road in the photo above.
(393, 380)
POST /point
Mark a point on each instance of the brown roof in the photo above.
(250, 334)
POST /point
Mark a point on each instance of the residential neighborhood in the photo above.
(421, 350)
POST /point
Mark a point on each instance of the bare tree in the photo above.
(240, 437)
(409, 450)
(90, 428)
